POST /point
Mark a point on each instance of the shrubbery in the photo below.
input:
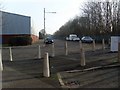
(20, 41)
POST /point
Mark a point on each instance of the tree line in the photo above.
(98, 18)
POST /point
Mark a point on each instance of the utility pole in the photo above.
(44, 25)
(44, 22)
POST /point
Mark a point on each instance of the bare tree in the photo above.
(99, 18)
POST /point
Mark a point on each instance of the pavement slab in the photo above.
(16, 79)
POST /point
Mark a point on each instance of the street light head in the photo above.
(54, 12)
(50, 12)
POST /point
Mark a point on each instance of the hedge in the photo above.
(20, 41)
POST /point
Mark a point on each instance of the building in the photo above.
(12, 25)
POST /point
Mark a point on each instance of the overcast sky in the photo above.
(65, 10)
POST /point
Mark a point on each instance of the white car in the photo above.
(76, 39)
(73, 37)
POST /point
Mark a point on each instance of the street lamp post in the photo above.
(44, 22)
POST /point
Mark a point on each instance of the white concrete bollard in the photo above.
(66, 48)
(46, 70)
(93, 45)
(118, 52)
(39, 52)
(11, 57)
(82, 57)
(1, 65)
(53, 50)
(80, 43)
(103, 44)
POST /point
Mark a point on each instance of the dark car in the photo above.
(87, 39)
(48, 41)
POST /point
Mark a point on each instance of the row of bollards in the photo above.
(39, 52)
(11, 54)
(80, 43)
(53, 49)
(46, 70)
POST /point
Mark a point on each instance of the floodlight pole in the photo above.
(44, 25)
(44, 22)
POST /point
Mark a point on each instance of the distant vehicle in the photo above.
(48, 40)
(87, 39)
(73, 37)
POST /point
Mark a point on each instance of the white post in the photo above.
(80, 43)
(53, 50)
(82, 57)
(1, 65)
(11, 58)
(66, 48)
(103, 44)
(46, 71)
(93, 46)
(39, 52)
(118, 52)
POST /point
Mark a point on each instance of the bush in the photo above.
(20, 41)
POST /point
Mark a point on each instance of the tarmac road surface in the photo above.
(26, 70)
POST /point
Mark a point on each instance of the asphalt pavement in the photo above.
(26, 69)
